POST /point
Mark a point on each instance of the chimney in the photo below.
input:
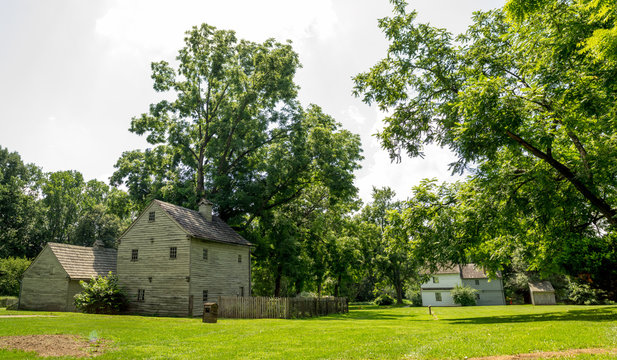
(205, 209)
(98, 244)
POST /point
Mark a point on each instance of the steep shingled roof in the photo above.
(541, 286)
(81, 262)
(197, 226)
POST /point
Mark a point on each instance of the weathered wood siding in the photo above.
(74, 288)
(543, 298)
(44, 284)
(221, 274)
(164, 280)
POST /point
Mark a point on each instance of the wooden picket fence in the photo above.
(237, 307)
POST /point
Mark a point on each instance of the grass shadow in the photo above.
(596, 315)
(365, 313)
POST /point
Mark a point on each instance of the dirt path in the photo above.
(548, 354)
(54, 345)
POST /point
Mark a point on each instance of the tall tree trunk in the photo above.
(398, 285)
(200, 191)
(337, 287)
(277, 281)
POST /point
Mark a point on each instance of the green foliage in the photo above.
(19, 213)
(11, 270)
(101, 295)
(464, 295)
(528, 105)
(414, 295)
(583, 294)
(384, 300)
(8, 301)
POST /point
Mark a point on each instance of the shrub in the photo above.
(464, 295)
(384, 299)
(11, 270)
(101, 296)
(415, 296)
(583, 294)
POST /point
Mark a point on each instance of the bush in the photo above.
(11, 270)
(101, 296)
(415, 296)
(583, 294)
(384, 299)
(464, 295)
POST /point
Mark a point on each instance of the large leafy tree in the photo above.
(525, 91)
(230, 101)
(293, 237)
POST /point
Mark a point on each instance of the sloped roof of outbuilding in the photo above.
(82, 262)
(197, 226)
(541, 286)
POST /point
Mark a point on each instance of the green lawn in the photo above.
(366, 332)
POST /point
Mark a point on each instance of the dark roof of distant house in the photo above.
(82, 262)
(541, 286)
(451, 269)
(197, 226)
(469, 271)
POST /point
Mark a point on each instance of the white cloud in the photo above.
(158, 26)
(353, 113)
(401, 177)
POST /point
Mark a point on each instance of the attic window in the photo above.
(205, 256)
(477, 282)
(134, 254)
(239, 258)
(173, 252)
(435, 280)
(151, 216)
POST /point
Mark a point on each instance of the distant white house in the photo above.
(436, 292)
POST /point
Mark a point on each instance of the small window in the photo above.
(205, 254)
(477, 296)
(435, 280)
(242, 291)
(141, 295)
(239, 258)
(151, 216)
(134, 255)
(173, 252)
(205, 295)
(477, 282)
(437, 296)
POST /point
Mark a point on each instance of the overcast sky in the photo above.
(73, 73)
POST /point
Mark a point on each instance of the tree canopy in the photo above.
(526, 99)
(232, 130)
(523, 90)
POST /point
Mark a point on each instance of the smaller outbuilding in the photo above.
(52, 279)
(542, 293)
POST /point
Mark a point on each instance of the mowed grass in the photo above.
(367, 332)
